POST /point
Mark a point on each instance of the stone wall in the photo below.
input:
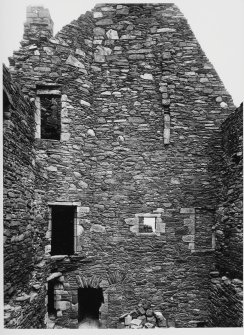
(140, 113)
(24, 236)
(227, 281)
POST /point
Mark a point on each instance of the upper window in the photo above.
(50, 117)
(48, 112)
(63, 230)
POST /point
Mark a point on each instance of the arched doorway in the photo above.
(90, 300)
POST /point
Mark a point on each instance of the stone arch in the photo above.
(93, 281)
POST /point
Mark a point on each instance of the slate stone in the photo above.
(104, 22)
(71, 60)
(155, 68)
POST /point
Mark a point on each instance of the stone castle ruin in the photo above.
(122, 176)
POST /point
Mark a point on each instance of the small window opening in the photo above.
(89, 302)
(62, 241)
(147, 225)
(6, 106)
(236, 159)
(50, 116)
(51, 300)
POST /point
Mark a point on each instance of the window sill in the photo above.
(46, 139)
(202, 251)
(148, 234)
(65, 258)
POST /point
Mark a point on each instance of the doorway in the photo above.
(62, 241)
(89, 301)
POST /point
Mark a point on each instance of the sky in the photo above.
(217, 24)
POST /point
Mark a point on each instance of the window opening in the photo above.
(147, 225)
(6, 106)
(51, 301)
(166, 127)
(50, 116)
(62, 241)
(89, 302)
(236, 159)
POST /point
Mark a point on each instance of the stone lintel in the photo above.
(149, 234)
(189, 210)
(54, 275)
(48, 92)
(64, 203)
(148, 215)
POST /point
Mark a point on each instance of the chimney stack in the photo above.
(38, 26)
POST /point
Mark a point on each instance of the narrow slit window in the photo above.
(166, 127)
(6, 107)
(63, 230)
(50, 106)
(51, 299)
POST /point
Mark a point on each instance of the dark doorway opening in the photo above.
(50, 299)
(62, 242)
(89, 301)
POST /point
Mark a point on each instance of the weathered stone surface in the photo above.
(131, 221)
(122, 11)
(187, 210)
(19, 254)
(23, 297)
(98, 31)
(100, 53)
(175, 181)
(104, 22)
(83, 184)
(91, 132)
(54, 275)
(165, 102)
(148, 317)
(48, 50)
(149, 325)
(98, 228)
(141, 310)
(97, 15)
(62, 305)
(112, 34)
(188, 238)
(166, 30)
(85, 103)
(80, 52)
(84, 209)
(136, 322)
(155, 68)
(71, 60)
(147, 76)
(225, 300)
(128, 320)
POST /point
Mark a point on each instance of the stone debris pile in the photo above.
(144, 316)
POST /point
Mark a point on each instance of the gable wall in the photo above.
(120, 69)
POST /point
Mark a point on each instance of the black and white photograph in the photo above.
(122, 165)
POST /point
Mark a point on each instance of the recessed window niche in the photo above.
(48, 114)
(147, 225)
